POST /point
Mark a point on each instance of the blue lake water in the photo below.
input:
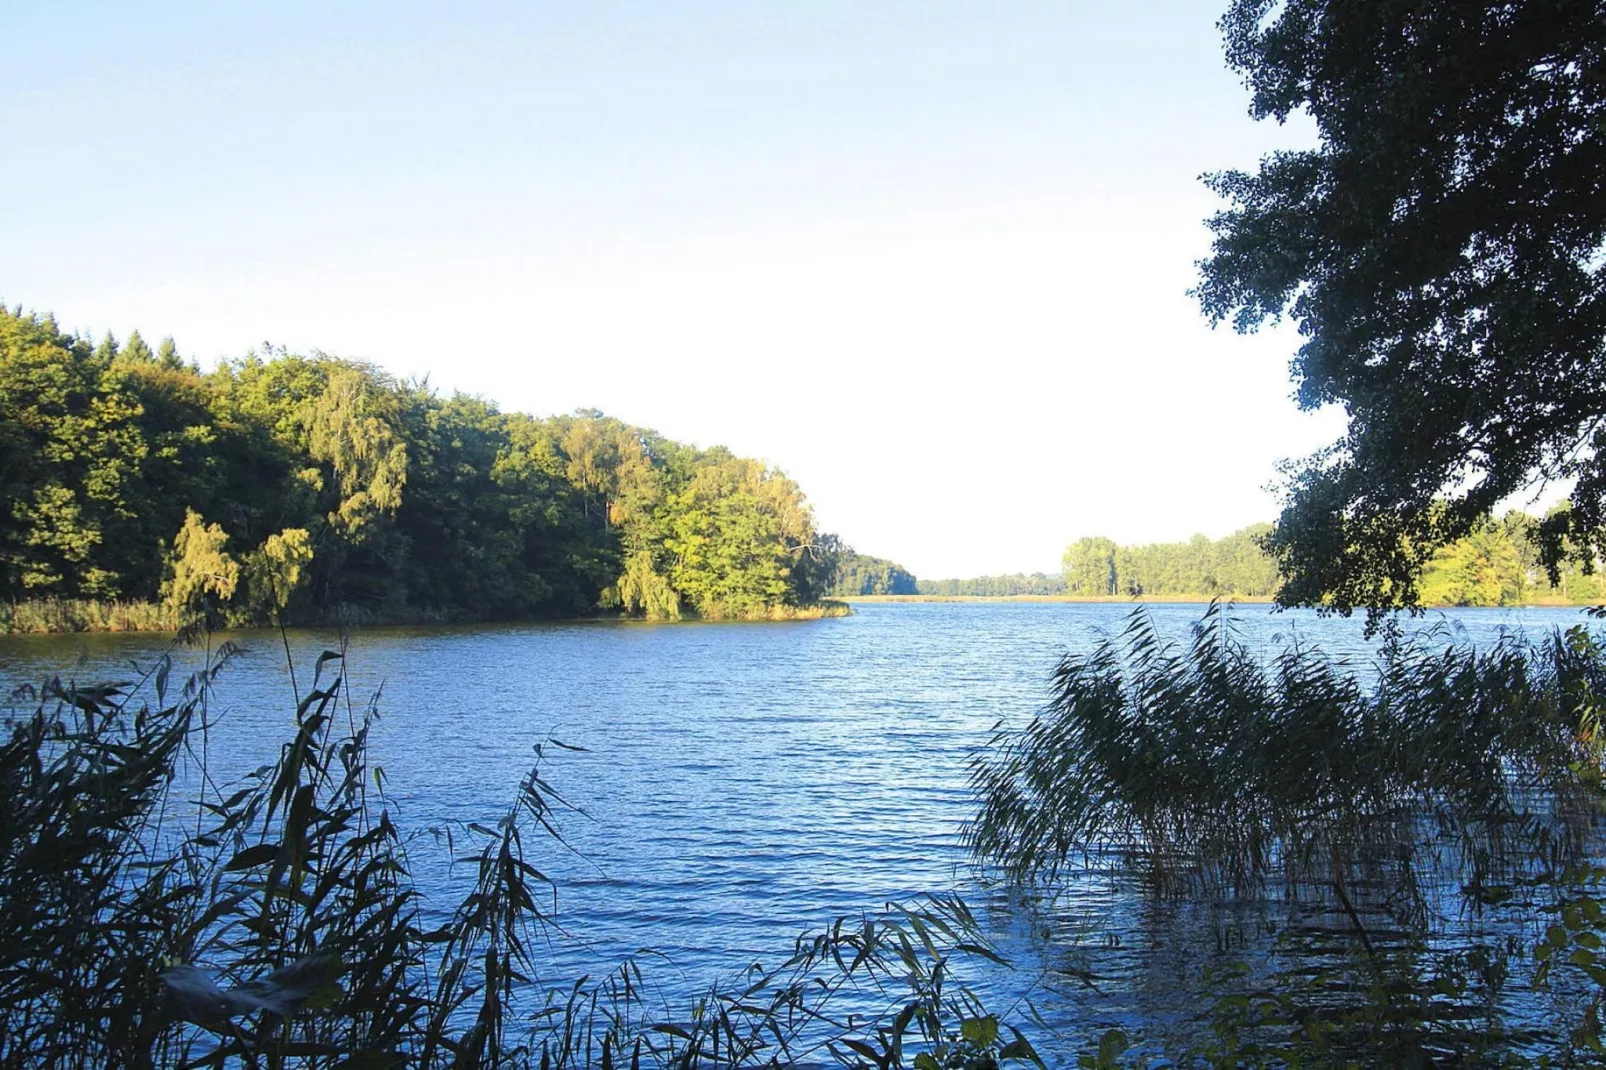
(743, 782)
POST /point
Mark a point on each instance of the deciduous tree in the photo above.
(1443, 252)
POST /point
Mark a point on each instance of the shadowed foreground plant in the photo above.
(275, 923)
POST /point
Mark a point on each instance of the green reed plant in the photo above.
(50, 615)
(1212, 770)
(275, 922)
(1436, 782)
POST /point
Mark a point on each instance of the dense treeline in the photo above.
(1498, 564)
(309, 487)
(994, 586)
(860, 574)
(1232, 566)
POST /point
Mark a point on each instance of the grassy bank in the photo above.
(49, 616)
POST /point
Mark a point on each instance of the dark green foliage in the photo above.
(346, 495)
(1441, 251)
(294, 887)
(859, 574)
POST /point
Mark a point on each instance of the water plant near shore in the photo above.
(1376, 804)
(275, 922)
(41, 616)
(1212, 770)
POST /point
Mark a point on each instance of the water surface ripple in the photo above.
(742, 782)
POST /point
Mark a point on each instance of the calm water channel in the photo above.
(744, 782)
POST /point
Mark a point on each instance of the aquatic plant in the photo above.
(1375, 802)
(43, 615)
(275, 922)
(1212, 770)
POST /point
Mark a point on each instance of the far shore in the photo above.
(1111, 598)
(1201, 599)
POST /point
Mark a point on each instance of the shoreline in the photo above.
(1159, 599)
(82, 618)
(68, 617)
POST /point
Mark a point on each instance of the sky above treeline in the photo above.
(929, 259)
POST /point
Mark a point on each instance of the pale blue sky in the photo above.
(930, 259)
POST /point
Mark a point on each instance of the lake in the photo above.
(743, 782)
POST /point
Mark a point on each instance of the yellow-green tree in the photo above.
(1481, 569)
(735, 534)
(350, 428)
(202, 576)
(276, 569)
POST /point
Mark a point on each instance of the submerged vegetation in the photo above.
(150, 916)
(310, 489)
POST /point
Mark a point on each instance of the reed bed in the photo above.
(274, 922)
(1380, 806)
(829, 607)
(1208, 770)
(49, 615)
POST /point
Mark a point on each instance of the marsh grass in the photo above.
(48, 616)
(829, 607)
(275, 922)
(51, 615)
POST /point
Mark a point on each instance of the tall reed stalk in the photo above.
(274, 923)
(1210, 770)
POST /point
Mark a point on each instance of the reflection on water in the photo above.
(742, 782)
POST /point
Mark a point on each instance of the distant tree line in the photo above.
(310, 487)
(1499, 563)
(1232, 566)
(994, 586)
(860, 574)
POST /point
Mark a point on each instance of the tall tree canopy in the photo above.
(861, 574)
(1443, 252)
(308, 487)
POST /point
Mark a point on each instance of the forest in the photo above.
(860, 574)
(1007, 586)
(1500, 563)
(306, 488)
(288, 488)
